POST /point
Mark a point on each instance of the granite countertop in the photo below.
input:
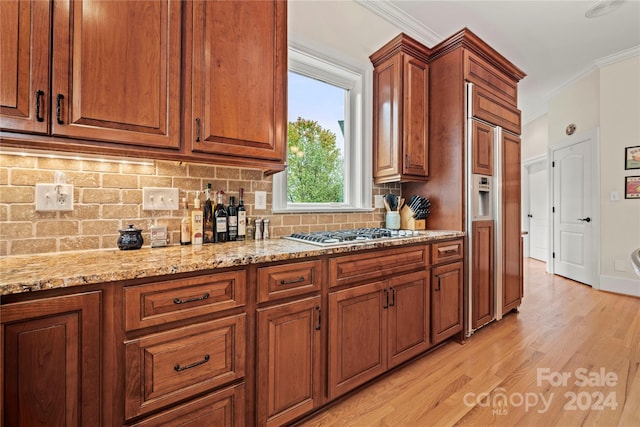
(60, 270)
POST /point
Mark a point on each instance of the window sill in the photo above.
(321, 210)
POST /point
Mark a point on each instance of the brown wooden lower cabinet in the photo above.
(51, 352)
(288, 360)
(376, 326)
(224, 408)
(446, 301)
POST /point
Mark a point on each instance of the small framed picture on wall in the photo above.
(632, 157)
(632, 187)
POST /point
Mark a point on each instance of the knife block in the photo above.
(408, 222)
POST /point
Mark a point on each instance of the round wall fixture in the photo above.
(570, 129)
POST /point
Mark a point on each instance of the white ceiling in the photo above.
(551, 41)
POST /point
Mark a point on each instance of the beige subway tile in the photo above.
(50, 228)
(110, 180)
(83, 179)
(10, 160)
(98, 166)
(291, 219)
(4, 213)
(172, 169)
(79, 243)
(340, 218)
(227, 173)
(281, 231)
(61, 165)
(346, 226)
(308, 219)
(202, 171)
(17, 195)
(109, 241)
(4, 176)
(234, 187)
(99, 195)
(16, 230)
(262, 186)
(120, 211)
(156, 181)
(31, 177)
(325, 219)
(98, 227)
(82, 212)
(317, 227)
(300, 229)
(4, 248)
(33, 246)
(137, 169)
(217, 185)
(276, 220)
(188, 184)
(130, 196)
(27, 212)
(251, 174)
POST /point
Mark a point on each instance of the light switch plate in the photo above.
(377, 200)
(160, 199)
(54, 197)
(261, 200)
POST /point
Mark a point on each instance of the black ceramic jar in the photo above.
(130, 238)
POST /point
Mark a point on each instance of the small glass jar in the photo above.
(392, 220)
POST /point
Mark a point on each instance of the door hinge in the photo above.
(553, 164)
(553, 209)
(553, 255)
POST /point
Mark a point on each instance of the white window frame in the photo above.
(357, 155)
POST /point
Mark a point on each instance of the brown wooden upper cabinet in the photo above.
(482, 136)
(401, 111)
(115, 71)
(238, 78)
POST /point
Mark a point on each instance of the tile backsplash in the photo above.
(108, 197)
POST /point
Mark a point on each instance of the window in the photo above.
(326, 170)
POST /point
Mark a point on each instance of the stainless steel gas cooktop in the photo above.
(343, 237)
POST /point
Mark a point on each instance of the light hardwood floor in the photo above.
(563, 329)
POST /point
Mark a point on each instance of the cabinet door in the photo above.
(482, 148)
(482, 280)
(51, 361)
(239, 78)
(24, 65)
(415, 118)
(408, 316)
(387, 111)
(116, 71)
(511, 233)
(357, 336)
(288, 360)
(446, 301)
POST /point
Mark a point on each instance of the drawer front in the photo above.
(349, 269)
(492, 110)
(167, 367)
(163, 302)
(480, 72)
(286, 280)
(451, 250)
(224, 408)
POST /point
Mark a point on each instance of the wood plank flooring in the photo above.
(570, 357)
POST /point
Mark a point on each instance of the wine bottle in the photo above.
(242, 217)
(185, 224)
(196, 221)
(220, 220)
(207, 213)
(232, 220)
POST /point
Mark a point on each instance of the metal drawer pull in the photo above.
(393, 298)
(179, 368)
(59, 99)
(39, 95)
(448, 250)
(197, 129)
(184, 301)
(319, 317)
(291, 282)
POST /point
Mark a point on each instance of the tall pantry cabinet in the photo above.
(492, 104)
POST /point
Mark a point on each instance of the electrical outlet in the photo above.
(54, 197)
(261, 200)
(160, 199)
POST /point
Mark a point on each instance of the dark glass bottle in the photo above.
(220, 220)
(232, 220)
(242, 217)
(207, 214)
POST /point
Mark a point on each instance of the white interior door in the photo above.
(573, 213)
(538, 216)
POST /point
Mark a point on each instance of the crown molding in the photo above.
(405, 22)
(618, 57)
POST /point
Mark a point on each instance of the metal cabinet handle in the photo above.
(386, 298)
(393, 298)
(184, 301)
(587, 219)
(291, 282)
(179, 368)
(59, 99)
(319, 310)
(39, 95)
(197, 129)
(438, 286)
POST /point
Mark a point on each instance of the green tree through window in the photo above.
(315, 171)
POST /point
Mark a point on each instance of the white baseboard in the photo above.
(620, 285)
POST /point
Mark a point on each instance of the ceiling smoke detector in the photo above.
(602, 7)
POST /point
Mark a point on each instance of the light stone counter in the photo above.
(38, 272)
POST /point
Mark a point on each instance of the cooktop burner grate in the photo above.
(341, 237)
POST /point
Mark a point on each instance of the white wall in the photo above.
(535, 138)
(607, 98)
